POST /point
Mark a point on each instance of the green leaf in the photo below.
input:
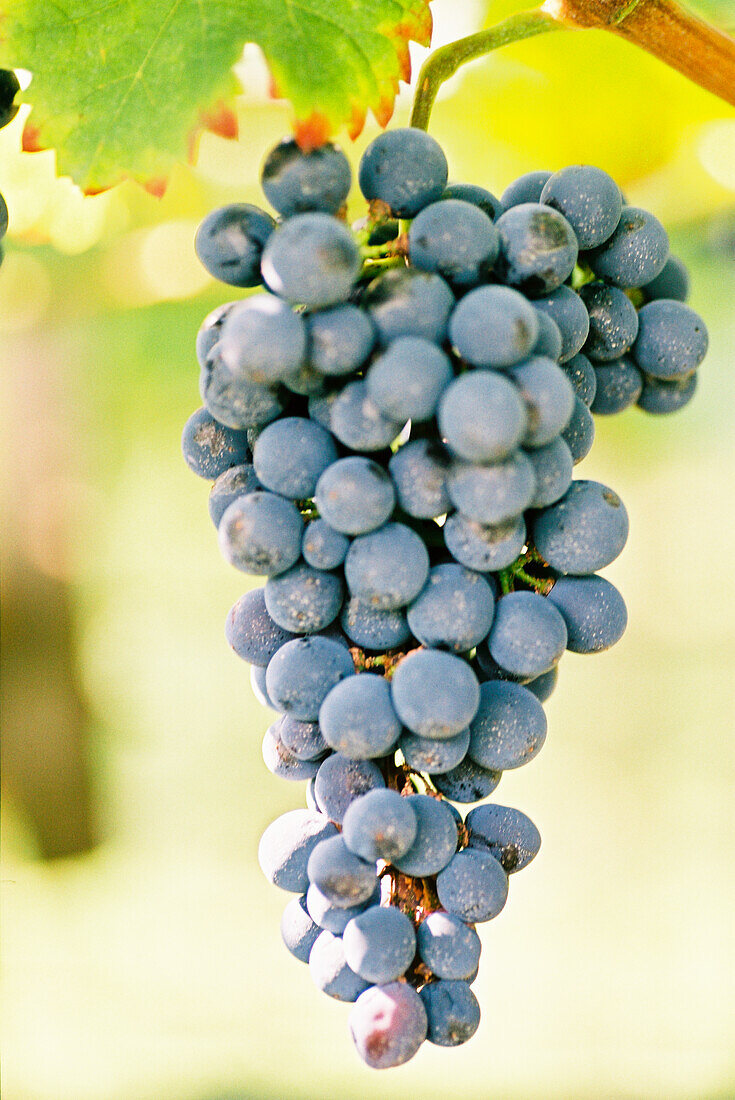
(120, 86)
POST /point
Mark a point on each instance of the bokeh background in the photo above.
(142, 956)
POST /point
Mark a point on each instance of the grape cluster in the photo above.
(391, 428)
(9, 87)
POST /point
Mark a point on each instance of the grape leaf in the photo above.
(120, 86)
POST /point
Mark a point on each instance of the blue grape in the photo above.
(671, 282)
(527, 637)
(473, 886)
(286, 845)
(281, 762)
(419, 472)
(579, 434)
(332, 917)
(449, 947)
(406, 302)
(424, 754)
(380, 943)
(542, 686)
(210, 331)
(251, 631)
(453, 611)
(507, 834)
(303, 739)
(233, 400)
(538, 248)
(230, 242)
(302, 672)
(581, 374)
(567, 310)
(509, 728)
(341, 780)
(493, 494)
(467, 782)
(435, 694)
(588, 198)
(584, 531)
(548, 396)
(354, 495)
(548, 341)
(436, 838)
(404, 168)
(387, 568)
(262, 340)
(493, 326)
(291, 454)
(619, 385)
(482, 417)
(257, 683)
(342, 877)
(452, 1011)
(380, 825)
(370, 628)
(358, 422)
(295, 182)
(304, 600)
(455, 239)
(331, 972)
(478, 196)
(484, 547)
(613, 321)
(261, 533)
(340, 339)
(526, 188)
(236, 482)
(407, 380)
(672, 339)
(593, 610)
(636, 252)
(357, 717)
(659, 396)
(211, 448)
(322, 546)
(298, 931)
(553, 466)
(311, 260)
(388, 1024)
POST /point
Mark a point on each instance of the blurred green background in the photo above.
(142, 955)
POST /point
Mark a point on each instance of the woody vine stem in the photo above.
(700, 51)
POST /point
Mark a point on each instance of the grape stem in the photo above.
(697, 49)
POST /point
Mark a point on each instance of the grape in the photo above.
(538, 248)
(569, 313)
(581, 374)
(454, 610)
(452, 1012)
(635, 253)
(261, 533)
(672, 339)
(526, 188)
(302, 672)
(257, 683)
(388, 1024)
(542, 686)
(619, 385)
(404, 168)
(210, 448)
(358, 422)
(593, 610)
(507, 834)
(509, 728)
(406, 302)
(467, 782)
(311, 260)
(473, 886)
(372, 629)
(322, 546)
(380, 825)
(407, 380)
(291, 454)
(251, 631)
(493, 326)
(387, 568)
(9, 88)
(553, 466)
(262, 340)
(481, 416)
(210, 331)
(380, 943)
(613, 321)
(340, 339)
(455, 239)
(435, 694)
(588, 198)
(425, 754)
(527, 637)
(3, 215)
(341, 780)
(419, 472)
(342, 877)
(281, 762)
(579, 434)
(354, 495)
(584, 531)
(449, 947)
(478, 196)
(659, 396)
(548, 396)
(298, 930)
(234, 401)
(304, 600)
(548, 342)
(236, 482)
(436, 838)
(493, 494)
(330, 970)
(230, 242)
(331, 917)
(357, 717)
(671, 282)
(295, 182)
(303, 739)
(484, 547)
(286, 845)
